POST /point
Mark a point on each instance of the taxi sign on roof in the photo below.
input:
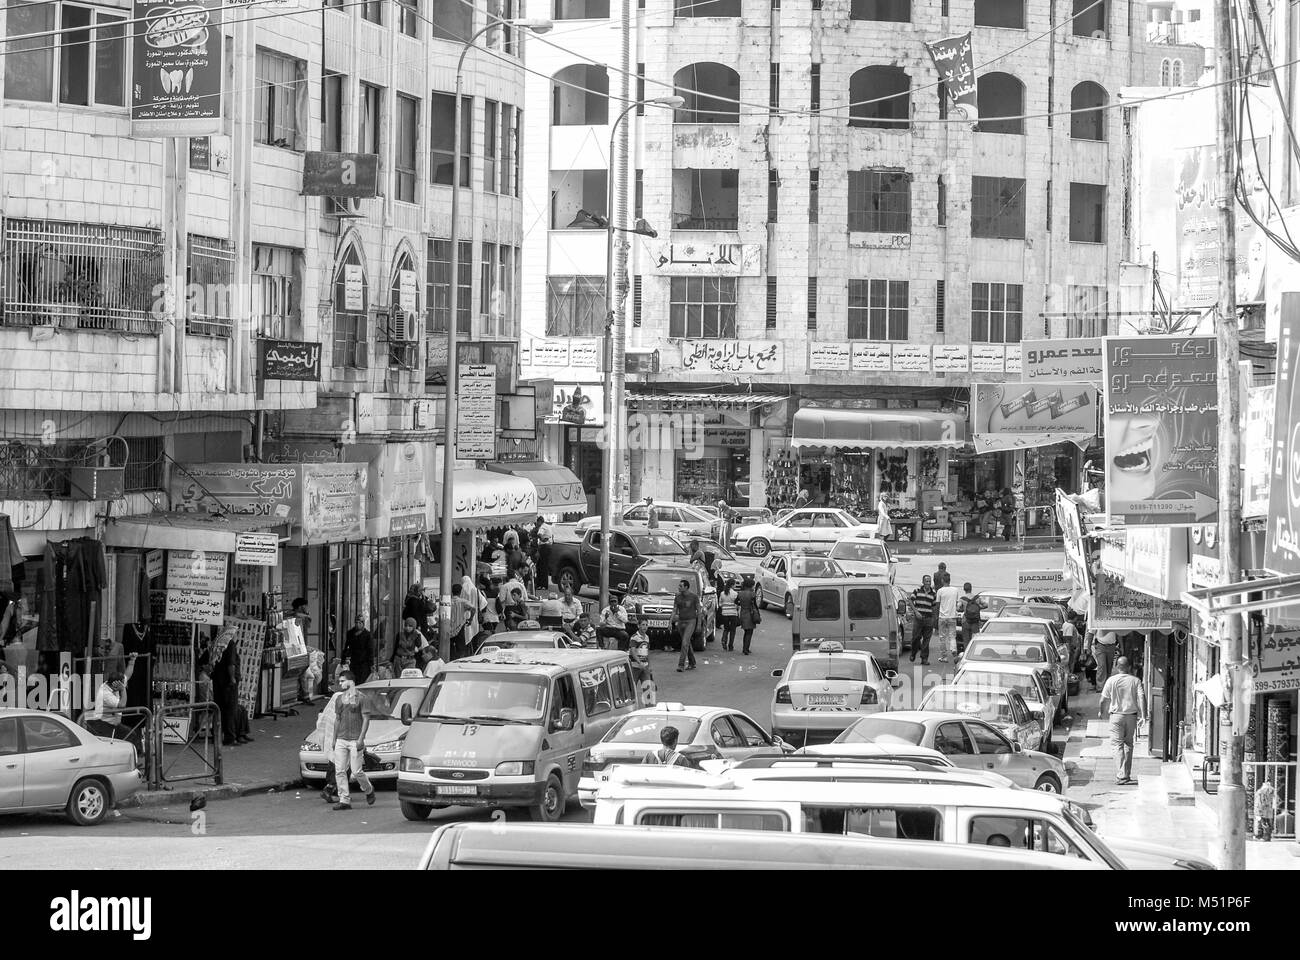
(830, 646)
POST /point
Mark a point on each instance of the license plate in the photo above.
(457, 790)
(821, 700)
(657, 624)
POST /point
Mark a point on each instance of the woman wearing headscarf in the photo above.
(473, 599)
(225, 688)
(416, 607)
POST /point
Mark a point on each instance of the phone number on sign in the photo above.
(1274, 685)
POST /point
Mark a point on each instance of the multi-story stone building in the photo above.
(833, 234)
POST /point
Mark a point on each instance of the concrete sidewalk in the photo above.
(269, 763)
(1164, 807)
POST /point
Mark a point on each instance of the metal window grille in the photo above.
(210, 293)
(940, 305)
(636, 301)
(773, 195)
(771, 303)
(815, 76)
(880, 201)
(814, 178)
(812, 303)
(90, 276)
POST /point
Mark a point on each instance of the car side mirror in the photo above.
(891, 674)
(568, 718)
(406, 714)
(777, 672)
(1016, 748)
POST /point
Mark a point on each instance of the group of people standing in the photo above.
(956, 614)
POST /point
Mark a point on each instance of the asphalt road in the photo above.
(233, 834)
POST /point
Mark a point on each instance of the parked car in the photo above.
(780, 575)
(576, 564)
(733, 567)
(1004, 709)
(704, 733)
(1039, 650)
(996, 601)
(1032, 682)
(650, 599)
(526, 640)
(809, 528)
(822, 691)
(676, 518)
(864, 557)
(384, 700)
(49, 763)
(1007, 623)
(744, 515)
(968, 742)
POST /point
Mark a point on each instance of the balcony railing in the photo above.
(707, 223)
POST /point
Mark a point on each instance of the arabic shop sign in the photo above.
(1282, 539)
(708, 259)
(333, 501)
(340, 174)
(287, 360)
(399, 495)
(1022, 410)
(1278, 664)
(176, 69)
(196, 570)
(1073, 360)
(581, 352)
(248, 489)
(1117, 607)
(731, 356)
(954, 58)
(1162, 423)
(195, 606)
(1260, 409)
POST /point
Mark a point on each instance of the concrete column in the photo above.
(757, 467)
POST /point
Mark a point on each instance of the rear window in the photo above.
(829, 668)
(715, 820)
(1020, 683)
(645, 728)
(1026, 650)
(658, 545)
(988, 705)
(883, 730)
(1000, 627)
(859, 551)
(814, 567)
(865, 604)
(823, 605)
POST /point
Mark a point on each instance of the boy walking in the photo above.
(351, 721)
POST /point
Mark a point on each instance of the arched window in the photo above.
(1176, 77)
(1090, 124)
(1000, 13)
(1164, 72)
(404, 313)
(580, 96)
(706, 8)
(880, 97)
(888, 11)
(351, 300)
(1000, 99)
(711, 92)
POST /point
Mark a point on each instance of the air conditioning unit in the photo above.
(97, 483)
(345, 208)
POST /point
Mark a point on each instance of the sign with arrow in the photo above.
(1162, 430)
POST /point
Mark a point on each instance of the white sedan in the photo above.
(679, 519)
(384, 700)
(823, 691)
(780, 576)
(864, 557)
(809, 528)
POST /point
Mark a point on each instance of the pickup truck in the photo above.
(578, 564)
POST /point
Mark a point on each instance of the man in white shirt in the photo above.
(613, 623)
(947, 599)
(1127, 703)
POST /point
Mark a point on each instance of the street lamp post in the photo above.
(613, 452)
(453, 298)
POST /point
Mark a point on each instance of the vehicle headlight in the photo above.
(412, 765)
(309, 745)
(388, 746)
(515, 768)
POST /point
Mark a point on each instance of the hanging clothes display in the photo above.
(69, 585)
(11, 561)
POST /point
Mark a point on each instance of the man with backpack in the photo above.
(970, 618)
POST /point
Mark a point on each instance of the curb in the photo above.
(226, 791)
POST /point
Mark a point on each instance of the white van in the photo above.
(895, 809)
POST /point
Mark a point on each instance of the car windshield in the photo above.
(1017, 649)
(987, 704)
(814, 567)
(860, 551)
(388, 701)
(883, 730)
(829, 668)
(995, 603)
(660, 581)
(1018, 682)
(645, 728)
(1014, 627)
(699, 513)
(482, 696)
(658, 545)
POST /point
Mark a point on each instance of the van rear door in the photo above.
(819, 616)
(870, 626)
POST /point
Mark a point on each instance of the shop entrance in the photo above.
(1168, 695)
(586, 460)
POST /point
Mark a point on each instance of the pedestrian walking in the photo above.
(923, 600)
(667, 754)
(1265, 811)
(686, 611)
(1071, 635)
(884, 526)
(1105, 648)
(1089, 664)
(729, 611)
(1124, 700)
(1007, 513)
(940, 572)
(544, 537)
(351, 721)
(359, 649)
(613, 624)
(409, 643)
(417, 608)
(325, 737)
(947, 599)
(749, 611)
(971, 607)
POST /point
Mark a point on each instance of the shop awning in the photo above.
(708, 399)
(868, 429)
(485, 499)
(558, 488)
(187, 531)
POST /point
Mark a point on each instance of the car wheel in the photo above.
(569, 577)
(89, 802)
(551, 807)
(1048, 783)
(789, 607)
(759, 547)
(414, 811)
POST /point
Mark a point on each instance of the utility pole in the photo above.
(1232, 791)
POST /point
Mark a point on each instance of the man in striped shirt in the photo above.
(923, 600)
